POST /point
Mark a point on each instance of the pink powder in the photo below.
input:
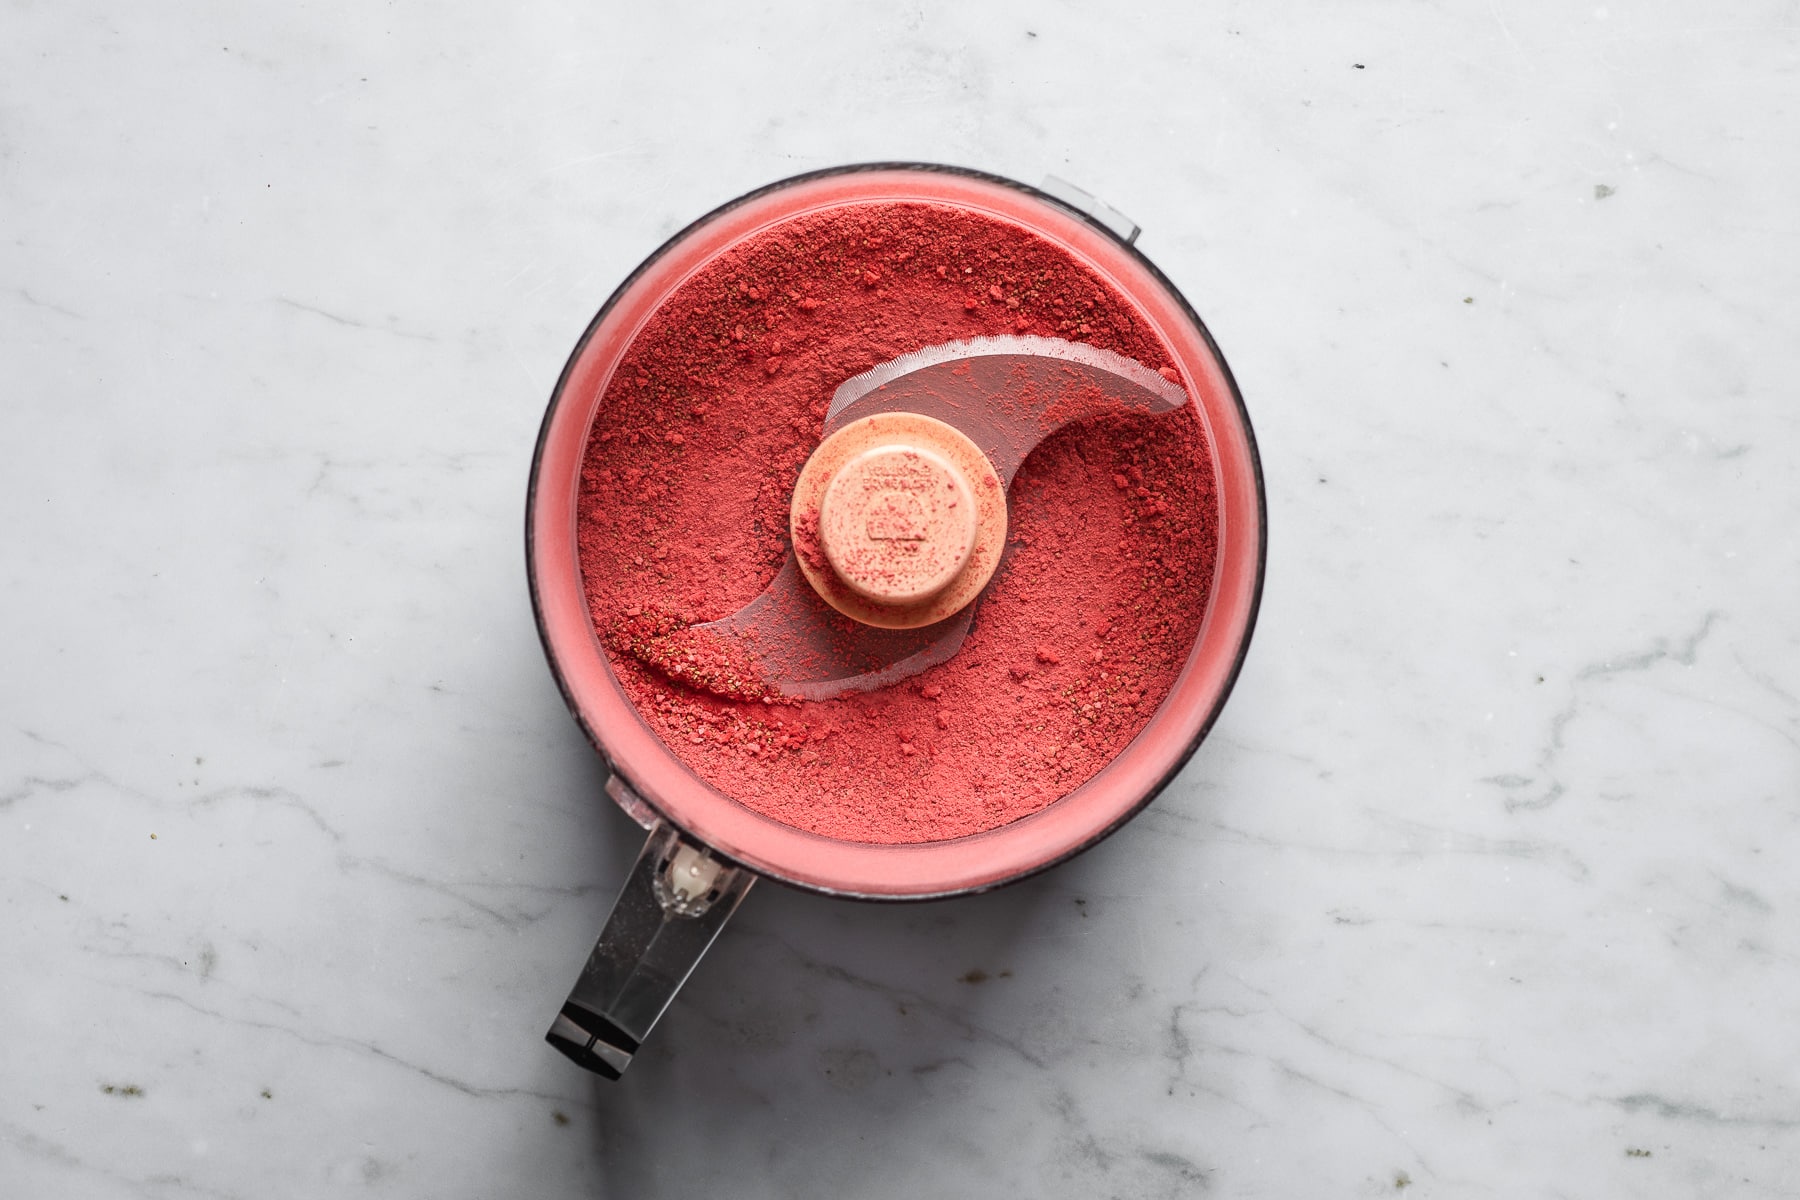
(684, 518)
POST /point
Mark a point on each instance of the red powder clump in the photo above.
(684, 518)
(697, 657)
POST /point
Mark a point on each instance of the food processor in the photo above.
(896, 535)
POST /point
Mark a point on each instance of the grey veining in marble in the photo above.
(1483, 886)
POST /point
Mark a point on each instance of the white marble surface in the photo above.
(1484, 886)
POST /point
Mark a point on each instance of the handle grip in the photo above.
(674, 902)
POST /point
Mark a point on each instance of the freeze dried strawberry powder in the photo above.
(684, 512)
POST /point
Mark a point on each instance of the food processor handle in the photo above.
(674, 902)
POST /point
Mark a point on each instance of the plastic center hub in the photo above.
(897, 523)
(898, 520)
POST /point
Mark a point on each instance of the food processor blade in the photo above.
(1006, 394)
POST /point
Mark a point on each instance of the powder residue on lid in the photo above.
(684, 505)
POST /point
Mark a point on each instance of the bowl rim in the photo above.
(1151, 787)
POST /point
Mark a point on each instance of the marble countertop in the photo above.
(1483, 886)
